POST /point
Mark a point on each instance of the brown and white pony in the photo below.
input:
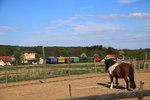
(123, 70)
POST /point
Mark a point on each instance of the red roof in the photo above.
(111, 56)
(5, 58)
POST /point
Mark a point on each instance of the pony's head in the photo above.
(109, 62)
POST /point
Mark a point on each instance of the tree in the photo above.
(62, 52)
(111, 50)
(17, 55)
(96, 55)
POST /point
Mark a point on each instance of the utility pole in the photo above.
(145, 56)
(145, 60)
(69, 61)
(44, 65)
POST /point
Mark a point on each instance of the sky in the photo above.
(116, 23)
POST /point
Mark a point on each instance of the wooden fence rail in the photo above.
(121, 95)
(138, 65)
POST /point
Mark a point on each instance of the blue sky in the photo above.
(117, 23)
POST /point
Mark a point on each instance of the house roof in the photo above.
(5, 58)
(111, 56)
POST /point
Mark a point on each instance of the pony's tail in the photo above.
(131, 77)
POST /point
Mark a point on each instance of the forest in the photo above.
(90, 51)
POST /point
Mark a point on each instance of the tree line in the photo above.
(90, 51)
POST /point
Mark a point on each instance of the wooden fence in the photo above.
(122, 95)
(43, 74)
(140, 64)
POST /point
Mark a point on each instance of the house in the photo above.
(6, 60)
(111, 56)
(2, 63)
(40, 61)
(29, 57)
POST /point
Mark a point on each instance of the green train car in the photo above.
(75, 59)
(83, 60)
(90, 59)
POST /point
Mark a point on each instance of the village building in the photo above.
(29, 57)
(40, 61)
(6, 60)
(2, 63)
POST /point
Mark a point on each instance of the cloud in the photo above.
(85, 31)
(1, 33)
(139, 15)
(69, 20)
(88, 33)
(126, 1)
(93, 27)
(85, 8)
(6, 28)
(110, 17)
(138, 36)
(45, 31)
(50, 28)
(78, 18)
(147, 29)
(38, 32)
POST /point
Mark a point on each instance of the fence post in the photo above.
(134, 65)
(148, 66)
(141, 88)
(69, 66)
(6, 76)
(70, 94)
(145, 63)
(16, 74)
(29, 74)
(95, 66)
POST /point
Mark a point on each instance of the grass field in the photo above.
(52, 70)
(33, 73)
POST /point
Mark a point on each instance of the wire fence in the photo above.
(23, 73)
(15, 73)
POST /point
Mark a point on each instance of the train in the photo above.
(60, 60)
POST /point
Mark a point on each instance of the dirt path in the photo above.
(55, 88)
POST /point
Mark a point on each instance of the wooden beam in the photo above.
(121, 95)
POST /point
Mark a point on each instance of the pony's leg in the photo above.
(117, 82)
(111, 84)
(127, 83)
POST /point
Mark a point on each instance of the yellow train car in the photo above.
(61, 60)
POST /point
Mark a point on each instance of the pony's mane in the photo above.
(109, 62)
